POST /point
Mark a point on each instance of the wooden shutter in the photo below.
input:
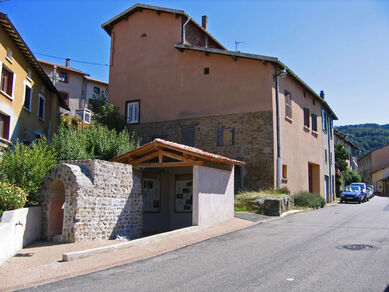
(314, 122)
(188, 135)
(288, 105)
(219, 137)
(306, 117)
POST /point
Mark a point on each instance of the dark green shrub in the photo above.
(25, 166)
(92, 142)
(11, 197)
(309, 200)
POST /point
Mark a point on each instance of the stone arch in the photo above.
(56, 207)
(60, 189)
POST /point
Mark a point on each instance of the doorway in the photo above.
(56, 207)
(313, 178)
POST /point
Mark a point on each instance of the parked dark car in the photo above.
(353, 194)
(363, 190)
(370, 191)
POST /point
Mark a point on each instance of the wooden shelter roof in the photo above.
(162, 153)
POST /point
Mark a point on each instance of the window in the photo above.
(188, 135)
(4, 126)
(324, 120)
(132, 112)
(9, 55)
(64, 96)
(325, 156)
(314, 122)
(225, 136)
(27, 97)
(96, 90)
(7, 81)
(306, 117)
(41, 107)
(288, 105)
(206, 70)
(284, 171)
(63, 77)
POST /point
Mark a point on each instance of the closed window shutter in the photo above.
(10, 81)
(314, 122)
(306, 117)
(188, 135)
(219, 137)
(288, 105)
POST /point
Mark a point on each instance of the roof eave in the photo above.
(107, 26)
(29, 56)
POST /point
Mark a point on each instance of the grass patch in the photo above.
(245, 200)
(308, 200)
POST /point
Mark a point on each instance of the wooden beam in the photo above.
(160, 158)
(144, 158)
(174, 156)
(169, 164)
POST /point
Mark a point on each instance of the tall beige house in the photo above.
(174, 80)
(76, 87)
(374, 168)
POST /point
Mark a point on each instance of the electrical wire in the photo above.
(77, 61)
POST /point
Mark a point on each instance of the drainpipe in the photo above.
(276, 76)
(183, 30)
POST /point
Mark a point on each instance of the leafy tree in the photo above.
(105, 113)
(367, 137)
(341, 155)
(351, 176)
(343, 172)
(26, 166)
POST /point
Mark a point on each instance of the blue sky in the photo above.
(341, 47)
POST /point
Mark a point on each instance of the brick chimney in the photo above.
(322, 94)
(204, 22)
(67, 62)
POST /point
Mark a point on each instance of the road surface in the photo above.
(301, 252)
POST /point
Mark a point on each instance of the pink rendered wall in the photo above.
(152, 70)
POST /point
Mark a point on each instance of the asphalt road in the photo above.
(297, 253)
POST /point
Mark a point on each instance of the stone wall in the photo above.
(102, 200)
(253, 141)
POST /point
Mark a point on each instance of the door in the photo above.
(310, 183)
(326, 189)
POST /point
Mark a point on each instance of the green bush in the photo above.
(25, 166)
(309, 200)
(92, 142)
(11, 197)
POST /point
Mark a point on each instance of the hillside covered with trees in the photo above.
(367, 137)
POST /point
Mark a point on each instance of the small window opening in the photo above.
(284, 171)
(206, 70)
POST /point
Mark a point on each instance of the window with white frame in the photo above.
(27, 96)
(41, 107)
(132, 112)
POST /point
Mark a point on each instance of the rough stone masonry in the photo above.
(102, 200)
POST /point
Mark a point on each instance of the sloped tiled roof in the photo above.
(160, 143)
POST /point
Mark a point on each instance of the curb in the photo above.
(72, 256)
